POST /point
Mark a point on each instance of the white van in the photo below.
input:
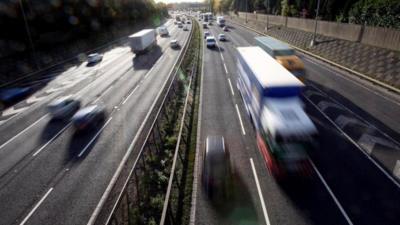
(163, 31)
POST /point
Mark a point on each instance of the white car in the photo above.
(174, 43)
(63, 108)
(221, 37)
(210, 42)
(94, 58)
(206, 34)
(180, 25)
(185, 28)
(162, 31)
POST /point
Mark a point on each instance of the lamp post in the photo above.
(313, 41)
(247, 9)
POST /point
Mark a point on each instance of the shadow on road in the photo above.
(146, 60)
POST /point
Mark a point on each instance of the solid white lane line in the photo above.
(260, 195)
(36, 206)
(226, 70)
(355, 114)
(23, 131)
(51, 140)
(240, 119)
(130, 94)
(154, 65)
(355, 144)
(337, 73)
(94, 138)
(230, 85)
(332, 195)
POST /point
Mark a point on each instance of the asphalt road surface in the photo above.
(348, 187)
(50, 174)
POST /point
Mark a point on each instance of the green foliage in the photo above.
(384, 13)
(285, 8)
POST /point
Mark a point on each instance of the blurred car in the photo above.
(63, 107)
(175, 22)
(89, 117)
(188, 22)
(217, 170)
(9, 96)
(180, 25)
(174, 43)
(185, 28)
(210, 42)
(94, 58)
(221, 37)
(225, 28)
(210, 23)
(204, 25)
(206, 34)
(162, 31)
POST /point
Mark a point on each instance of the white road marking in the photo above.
(51, 140)
(36, 206)
(23, 131)
(130, 94)
(154, 65)
(348, 79)
(34, 99)
(230, 85)
(332, 194)
(355, 144)
(226, 70)
(240, 119)
(94, 138)
(260, 195)
(12, 111)
(222, 57)
(356, 115)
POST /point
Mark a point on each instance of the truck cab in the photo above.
(284, 54)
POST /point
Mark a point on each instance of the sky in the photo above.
(178, 1)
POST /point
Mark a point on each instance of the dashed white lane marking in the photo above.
(23, 131)
(230, 85)
(130, 94)
(260, 195)
(226, 70)
(11, 111)
(240, 119)
(51, 140)
(36, 206)
(222, 57)
(332, 194)
(94, 137)
(355, 144)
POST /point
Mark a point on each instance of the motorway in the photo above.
(357, 121)
(49, 174)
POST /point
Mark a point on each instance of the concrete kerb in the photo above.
(363, 76)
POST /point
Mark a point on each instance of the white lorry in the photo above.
(271, 96)
(143, 40)
(221, 21)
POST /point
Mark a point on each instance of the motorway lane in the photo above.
(365, 193)
(284, 204)
(14, 150)
(69, 82)
(60, 158)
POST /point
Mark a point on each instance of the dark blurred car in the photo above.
(188, 22)
(9, 96)
(89, 117)
(217, 171)
(225, 28)
(94, 58)
(63, 108)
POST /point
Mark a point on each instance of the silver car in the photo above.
(63, 108)
(94, 58)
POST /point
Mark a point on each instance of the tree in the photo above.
(285, 8)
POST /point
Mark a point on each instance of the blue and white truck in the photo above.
(271, 95)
